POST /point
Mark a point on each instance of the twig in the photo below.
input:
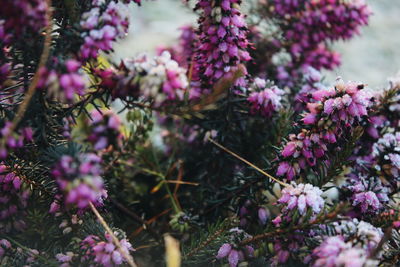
(135, 217)
(248, 163)
(127, 256)
(319, 220)
(29, 253)
(384, 239)
(151, 220)
(32, 87)
(207, 241)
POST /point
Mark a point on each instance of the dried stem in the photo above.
(248, 163)
(323, 219)
(43, 59)
(135, 217)
(384, 239)
(127, 256)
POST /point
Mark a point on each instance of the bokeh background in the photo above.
(371, 57)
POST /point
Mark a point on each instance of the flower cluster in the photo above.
(158, 79)
(65, 260)
(367, 194)
(334, 251)
(12, 141)
(104, 129)
(101, 28)
(79, 180)
(13, 201)
(4, 246)
(104, 252)
(308, 27)
(265, 100)
(62, 80)
(301, 198)
(352, 246)
(222, 41)
(285, 247)
(21, 17)
(232, 251)
(386, 152)
(312, 83)
(332, 114)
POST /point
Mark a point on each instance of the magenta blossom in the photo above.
(79, 181)
(222, 41)
(265, 100)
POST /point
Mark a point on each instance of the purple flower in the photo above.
(101, 27)
(104, 129)
(310, 27)
(232, 252)
(331, 115)
(15, 141)
(224, 251)
(263, 215)
(222, 41)
(300, 198)
(79, 181)
(326, 254)
(159, 80)
(62, 80)
(13, 201)
(4, 246)
(103, 251)
(386, 152)
(23, 16)
(368, 194)
(265, 101)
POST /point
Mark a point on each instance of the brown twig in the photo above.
(384, 239)
(135, 217)
(248, 163)
(127, 256)
(329, 216)
(43, 59)
(151, 220)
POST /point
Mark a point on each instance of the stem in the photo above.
(135, 217)
(32, 87)
(171, 196)
(248, 163)
(127, 256)
(29, 250)
(384, 239)
(323, 219)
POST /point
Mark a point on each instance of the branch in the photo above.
(322, 219)
(32, 87)
(127, 256)
(248, 163)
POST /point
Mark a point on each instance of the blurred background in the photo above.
(370, 58)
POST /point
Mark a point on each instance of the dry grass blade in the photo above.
(43, 59)
(248, 163)
(127, 256)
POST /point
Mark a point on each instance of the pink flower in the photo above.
(289, 149)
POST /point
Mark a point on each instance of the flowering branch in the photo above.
(332, 216)
(43, 59)
(128, 257)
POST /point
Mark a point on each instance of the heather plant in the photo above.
(226, 148)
